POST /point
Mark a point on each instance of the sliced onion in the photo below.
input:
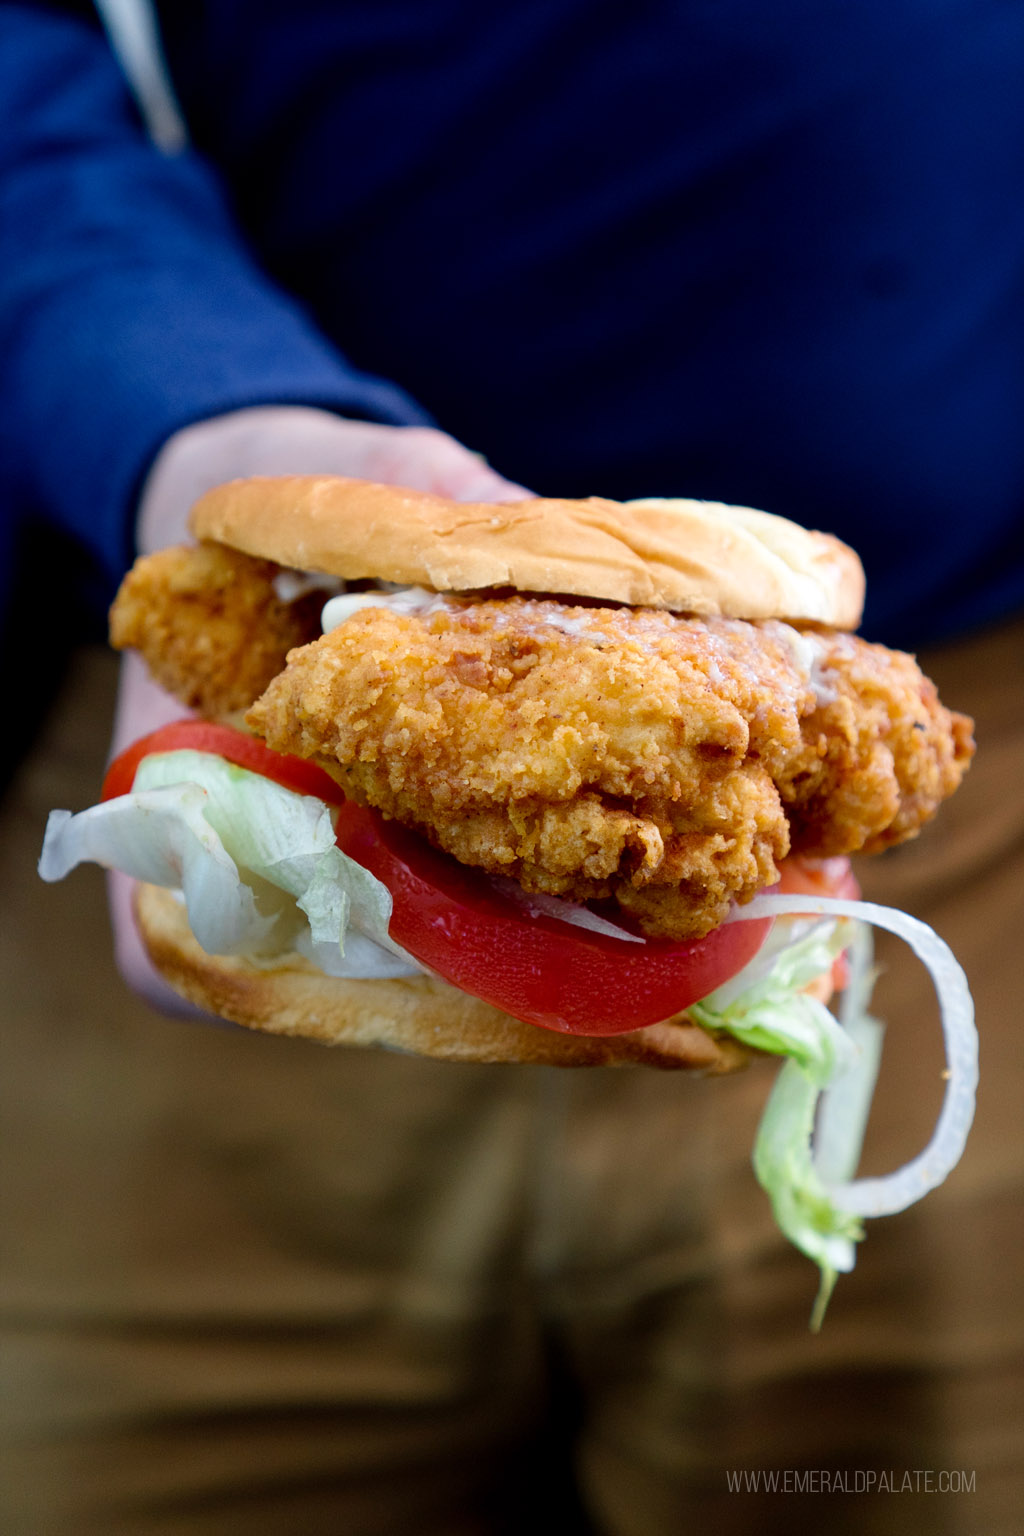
(895, 1191)
(539, 902)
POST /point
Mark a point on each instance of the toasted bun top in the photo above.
(693, 557)
(422, 1015)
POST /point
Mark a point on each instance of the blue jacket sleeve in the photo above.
(129, 305)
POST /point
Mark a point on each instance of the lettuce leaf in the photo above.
(257, 864)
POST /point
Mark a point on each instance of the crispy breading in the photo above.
(883, 752)
(209, 624)
(620, 754)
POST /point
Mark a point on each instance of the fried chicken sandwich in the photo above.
(509, 782)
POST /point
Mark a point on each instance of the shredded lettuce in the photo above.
(807, 1168)
(258, 865)
(844, 1105)
(772, 1013)
(803, 1207)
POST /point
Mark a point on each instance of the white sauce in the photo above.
(397, 599)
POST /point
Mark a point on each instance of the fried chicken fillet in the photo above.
(665, 764)
(600, 753)
(210, 625)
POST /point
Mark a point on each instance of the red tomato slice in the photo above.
(818, 877)
(536, 968)
(224, 741)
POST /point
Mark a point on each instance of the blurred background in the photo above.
(251, 1285)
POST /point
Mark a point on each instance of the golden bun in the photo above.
(694, 557)
(422, 1015)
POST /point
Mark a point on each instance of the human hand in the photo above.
(263, 440)
(300, 440)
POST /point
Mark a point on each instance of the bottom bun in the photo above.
(421, 1015)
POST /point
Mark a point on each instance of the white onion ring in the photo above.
(895, 1191)
(540, 903)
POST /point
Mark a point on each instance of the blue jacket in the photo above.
(764, 254)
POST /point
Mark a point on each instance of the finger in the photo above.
(142, 706)
(428, 460)
(133, 962)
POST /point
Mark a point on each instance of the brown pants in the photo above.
(254, 1286)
